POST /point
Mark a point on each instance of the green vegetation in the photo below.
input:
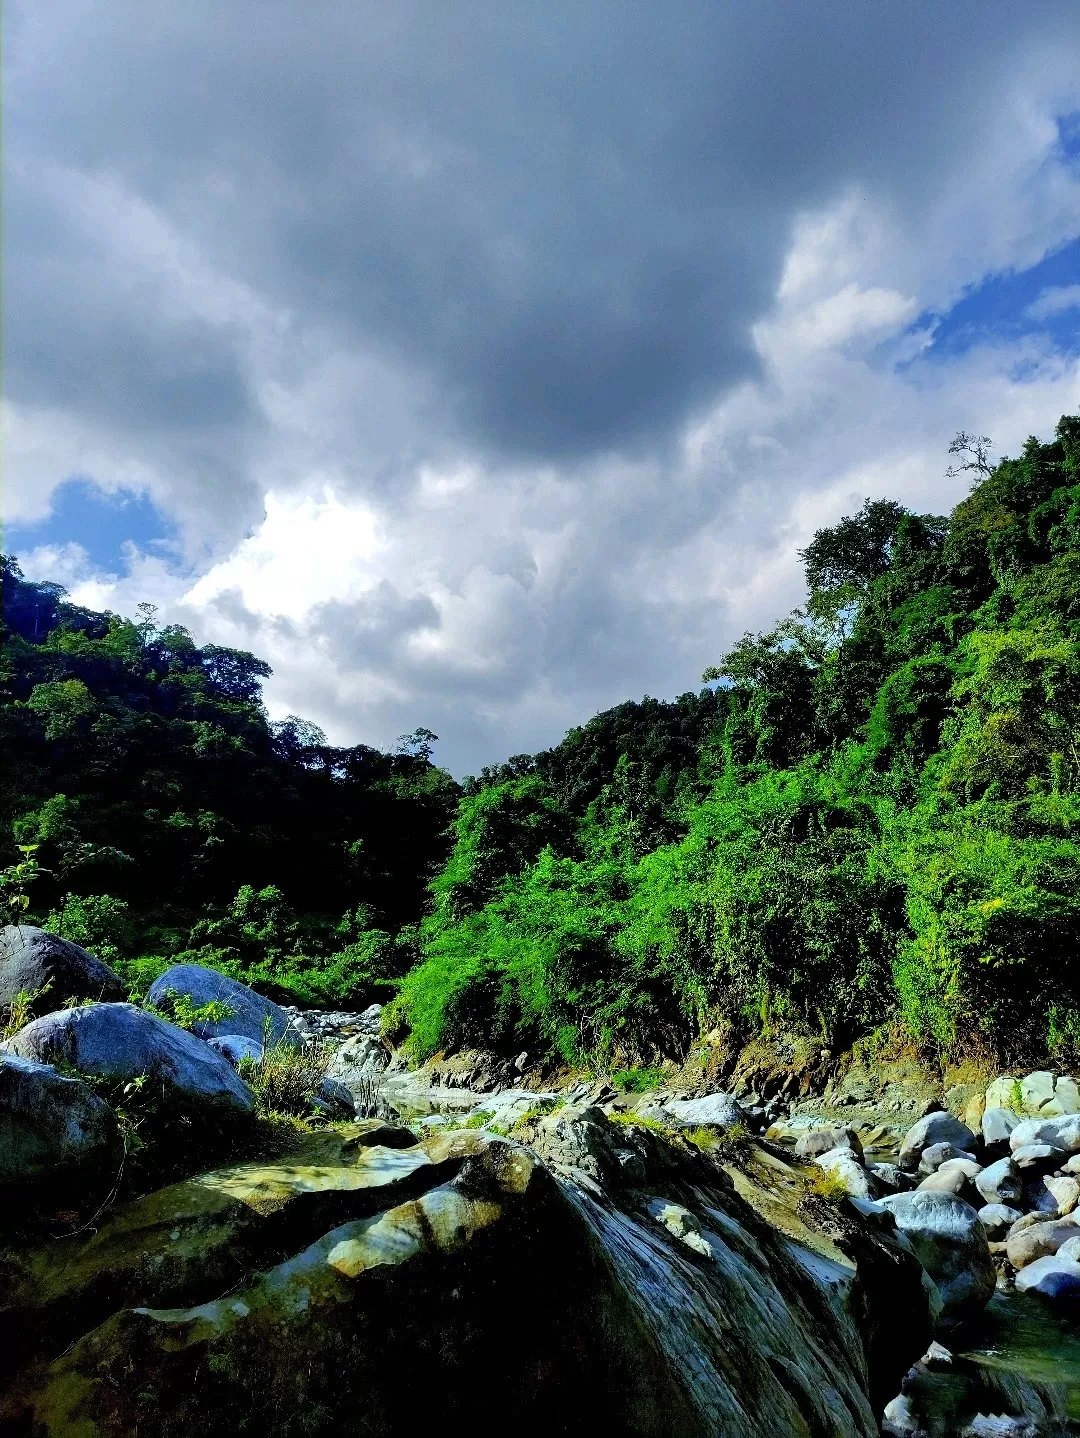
(149, 810)
(866, 823)
(871, 818)
(286, 1078)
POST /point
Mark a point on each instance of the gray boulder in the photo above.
(956, 1175)
(715, 1110)
(939, 1153)
(1001, 1182)
(362, 1057)
(842, 1164)
(123, 1041)
(334, 1099)
(939, 1127)
(947, 1238)
(53, 1130)
(1039, 1157)
(997, 1125)
(249, 1013)
(1061, 1132)
(816, 1141)
(892, 1178)
(236, 1047)
(1054, 1278)
(1070, 1249)
(30, 958)
(998, 1218)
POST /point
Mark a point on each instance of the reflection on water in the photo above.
(1023, 1335)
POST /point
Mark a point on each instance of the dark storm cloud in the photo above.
(563, 217)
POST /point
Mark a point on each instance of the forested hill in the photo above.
(868, 823)
(871, 824)
(176, 817)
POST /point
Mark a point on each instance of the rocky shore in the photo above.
(544, 1257)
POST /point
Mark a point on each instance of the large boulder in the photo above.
(842, 1164)
(1000, 1183)
(32, 960)
(362, 1057)
(122, 1041)
(715, 1110)
(935, 1128)
(53, 1130)
(947, 1238)
(1038, 1240)
(1061, 1132)
(676, 1312)
(249, 1014)
(1054, 1278)
(824, 1138)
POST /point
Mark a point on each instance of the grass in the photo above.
(825, 1183)
(286, 1078)
(641, 1120)
(21, 1010)
(727, 1145)
(637, 1080)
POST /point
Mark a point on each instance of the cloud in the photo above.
(1054, 302)
(495, 361)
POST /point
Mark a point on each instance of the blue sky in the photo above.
(488, 366)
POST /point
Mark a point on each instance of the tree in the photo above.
(977, 448)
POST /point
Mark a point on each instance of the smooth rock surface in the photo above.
(937, 1127)
(1054, 1278)
(1000, 1182)
(998, 1218)
(123, 1041)
(816, 1141)
(30, 959)
(54, 1131)
(250, 1014)
(957, 1176)
(843, 1164)
(951, 1244)
(997, 1125)
(1038, 1240)
(718, 1110)
(939, 1153)
(1062, 1132)
(236, 1047)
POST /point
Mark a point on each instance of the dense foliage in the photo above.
(871, 819)
(169, 815)
(868, 819)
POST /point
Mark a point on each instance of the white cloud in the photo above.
(1054, 301)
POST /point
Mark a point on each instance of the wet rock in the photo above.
(122, 1041)
(249, 1013)
(55, 1132)
(236, 1047)
(1000, 1182)
(951, 1244)
(1054, 1278)
(934, 1128)
(816, 1141)
(1038, 1240)
(718, 1110)
(32, 960)
(998, 1218)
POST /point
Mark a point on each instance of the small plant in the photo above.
(825, 1183)
(286, 1078)
(181, 1010)
(637, 1080)
(733, 1144)
(21, 1010)
(16, 879)
(640, 1120)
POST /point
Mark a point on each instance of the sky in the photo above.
(482, 365)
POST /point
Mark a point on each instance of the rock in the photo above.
(123, 1041)
(1062, 1131)
(936, 1127)
(1040, 1157)
(363, 1057)
(997, 1125)
(947, 1238)
(334, 1099)
(1070, 1249)
(892, 1178)
(1072, 1165)
(504, 1110)
(583, 1144)
(1054, 1278)
(1036, 1090)
(957, 1176)
(998, 1218)
(939, 1153)
(370, 1020)
(684, 1314)
(974, 1110)
(1038, 1240)
(1064, 1191)
(1067, 1095)
(816, 1141)
(715, 1110)
(54, 1131)
(235, 1047)
(1036, 1197)
(249, 1013)
(1004, 1093)
(1000, 1183)
(30, 959)
(843, 1164)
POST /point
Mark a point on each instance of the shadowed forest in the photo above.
(864, 824)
